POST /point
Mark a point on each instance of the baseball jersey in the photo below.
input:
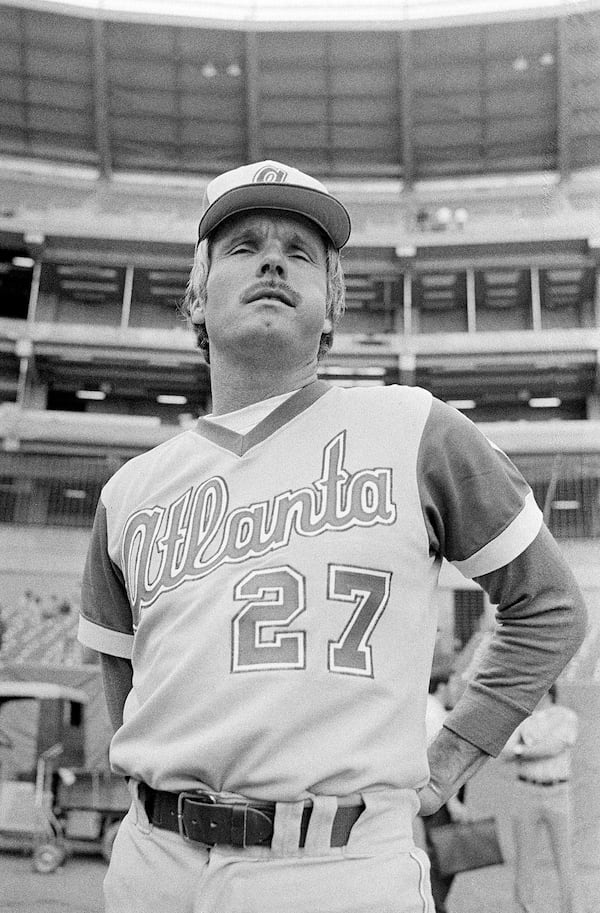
(273, 589)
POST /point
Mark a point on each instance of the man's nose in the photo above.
(272, 262)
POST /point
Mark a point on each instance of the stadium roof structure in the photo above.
(417, 91)
(336, 13)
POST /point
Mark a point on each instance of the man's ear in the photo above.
(327, 325)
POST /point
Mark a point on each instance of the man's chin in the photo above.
(272, 340)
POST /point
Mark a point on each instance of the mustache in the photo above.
(266, 289)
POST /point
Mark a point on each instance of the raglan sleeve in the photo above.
(105, 621)
(481, 516)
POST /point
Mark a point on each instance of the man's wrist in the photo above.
(436, 790)
(431, 798)
(452, 760)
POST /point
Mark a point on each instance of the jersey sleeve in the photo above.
(479, 511)
(542, 621)
(481, 516)
(105, 621)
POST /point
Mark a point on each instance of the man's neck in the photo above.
(234, 387)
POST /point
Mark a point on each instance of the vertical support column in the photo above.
(253, 143)
(329, 132)
(597, 295)
(536, 301)
(101, 100)
(592, 402)
(407, 302)
(22, 50)
(127, 294)
(407, 368)
(471, 303)
(563, 99)
(24, 352)
(34, 292)
(405, 93)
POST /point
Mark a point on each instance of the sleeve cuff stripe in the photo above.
(105, 640)
(508, 545)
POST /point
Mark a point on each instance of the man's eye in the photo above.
(299, 254)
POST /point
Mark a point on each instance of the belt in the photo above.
(542, 782)
(202, 817)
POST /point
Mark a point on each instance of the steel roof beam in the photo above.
(405, 90)
(253, 143)
(101, 111)
(563, 93)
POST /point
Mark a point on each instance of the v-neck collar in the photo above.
(239, 444)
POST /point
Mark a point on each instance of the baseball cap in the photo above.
(271, 185)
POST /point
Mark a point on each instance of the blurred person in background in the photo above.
(541, 751)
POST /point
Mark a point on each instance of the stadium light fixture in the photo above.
(544, 402)
(23, 262)
(75, 494)
(171, 399)
(462, 404)
(34, 238)
(461, 216)
(90, 394)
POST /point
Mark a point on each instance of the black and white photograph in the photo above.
(299, 456)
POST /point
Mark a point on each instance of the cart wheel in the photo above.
(47, 857)
(108, 838)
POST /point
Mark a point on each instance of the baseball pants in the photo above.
(379, 870)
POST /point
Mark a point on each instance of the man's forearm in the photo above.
(541, 621)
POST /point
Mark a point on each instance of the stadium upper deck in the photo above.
(499, 90)
(467, 150)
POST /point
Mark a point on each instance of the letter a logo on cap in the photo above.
(269, 174)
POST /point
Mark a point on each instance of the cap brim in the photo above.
(327, 212)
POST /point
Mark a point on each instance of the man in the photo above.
(541, 747)
(260, 590)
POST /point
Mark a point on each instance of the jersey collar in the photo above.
(240, 444)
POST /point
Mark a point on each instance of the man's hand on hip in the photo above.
(452, 761)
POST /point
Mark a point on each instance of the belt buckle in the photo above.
(197, 797)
